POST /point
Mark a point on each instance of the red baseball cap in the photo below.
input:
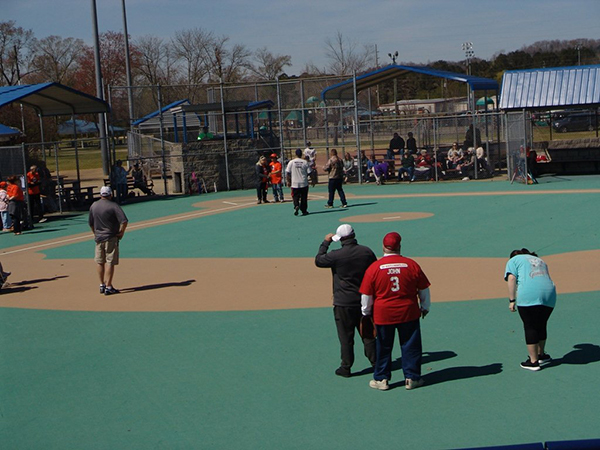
(392, 241)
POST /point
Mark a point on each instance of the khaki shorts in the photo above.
(107, 252)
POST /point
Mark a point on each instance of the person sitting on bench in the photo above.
(139, 180)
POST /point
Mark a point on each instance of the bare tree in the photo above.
(15, 53)
(226, 64)
(157, 63)
(345, 57)
(268, 66)
(188, 47)
(56, 58)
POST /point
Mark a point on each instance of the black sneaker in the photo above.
(102, 288)
(530, 365)
(296, 208)
(110, 290)
(544, 359)
(343, 372)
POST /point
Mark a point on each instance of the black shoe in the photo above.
(305, 213)
(544, 359)
(102, 288)
(296, 208)
(110, 291)
(342, 372)
(530, 365)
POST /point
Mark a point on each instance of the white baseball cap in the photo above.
(343, 231)
(105, 191)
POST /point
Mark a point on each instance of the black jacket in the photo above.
(348, 266)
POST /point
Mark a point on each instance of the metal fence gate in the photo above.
(518, 140)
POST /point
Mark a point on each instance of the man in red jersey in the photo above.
(396, 292)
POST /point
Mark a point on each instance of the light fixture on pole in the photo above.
(469, 53)
(393, 57)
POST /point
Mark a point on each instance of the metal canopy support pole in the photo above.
(473, 111)
(42, 136)
(524, 154)
(326, 119)
(357, 128)
(435, 148)
(304, 114)
(25, 190)
(162, 140)
(59, 187)
(280, 118)
(224, 132)
(75, 144)
(371, 122)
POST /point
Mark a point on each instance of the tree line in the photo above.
(193, 58)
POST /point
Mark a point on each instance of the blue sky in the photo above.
(420, 30)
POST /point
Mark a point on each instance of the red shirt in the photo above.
(394, 282)
(33, 178)
(275, 167)
(14, 190)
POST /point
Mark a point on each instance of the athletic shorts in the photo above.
(107, 252)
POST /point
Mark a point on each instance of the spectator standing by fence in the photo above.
(16, 203)
(6, 220)
(276, 175)
(34, 181)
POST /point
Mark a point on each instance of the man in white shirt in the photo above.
(311, 154)
(296, 173)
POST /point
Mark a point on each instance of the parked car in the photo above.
(576, 122)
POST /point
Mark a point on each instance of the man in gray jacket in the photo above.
(348, 265)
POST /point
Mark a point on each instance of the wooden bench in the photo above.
(74, 195)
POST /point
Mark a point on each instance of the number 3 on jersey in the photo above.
(395, 284)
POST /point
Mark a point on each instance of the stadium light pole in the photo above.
(99, 91)
(393, 57)
(127, 65)
(469, 53)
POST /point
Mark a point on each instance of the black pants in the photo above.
(35, 206)
(300, 197)
(16, 209)
(336, 184)
(535, 319)
(347, 321)
(261, 192)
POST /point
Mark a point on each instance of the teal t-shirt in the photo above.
(534, 285)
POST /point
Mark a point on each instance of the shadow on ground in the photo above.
(150, 287)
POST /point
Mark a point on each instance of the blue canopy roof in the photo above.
(6, 131)
(345, 89)
(551, 87)
(52, 99)
(157, 112)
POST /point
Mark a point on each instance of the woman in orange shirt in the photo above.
(16, 202)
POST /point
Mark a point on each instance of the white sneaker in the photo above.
(413, 384)
(381, 385)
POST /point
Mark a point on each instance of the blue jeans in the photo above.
(277, 192)
(6, 220)
(410, 171)
(409, 334)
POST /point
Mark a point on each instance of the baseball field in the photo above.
(223, 334)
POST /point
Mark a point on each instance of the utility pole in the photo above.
(128, 66)
(99, 91)
(393, 57)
